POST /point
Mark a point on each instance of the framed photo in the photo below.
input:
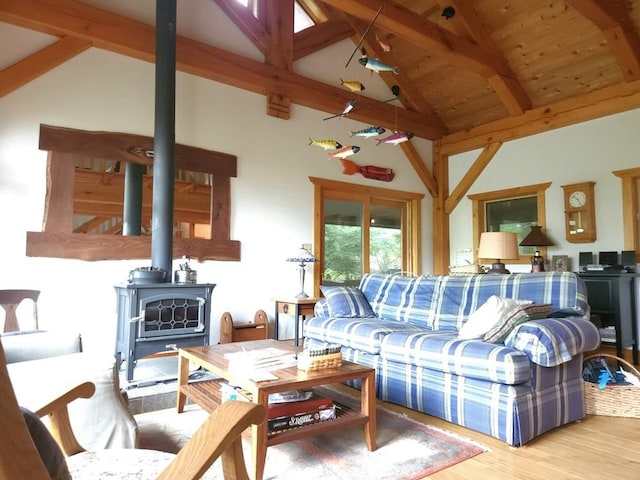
(560, 263)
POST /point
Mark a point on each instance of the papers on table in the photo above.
(255, 364)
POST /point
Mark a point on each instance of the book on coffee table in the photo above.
(286, 422)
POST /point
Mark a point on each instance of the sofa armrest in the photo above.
(552, 341)
(321, 308)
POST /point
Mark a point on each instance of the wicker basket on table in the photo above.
(309, 363)
(614, 400)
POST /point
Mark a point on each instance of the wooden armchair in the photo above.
(219, 436)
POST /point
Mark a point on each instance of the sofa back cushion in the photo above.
(399, 297)
(455, 297)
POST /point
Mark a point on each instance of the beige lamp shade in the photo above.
(498, 246)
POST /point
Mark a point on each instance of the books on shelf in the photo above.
(286, 422)
(311, 403)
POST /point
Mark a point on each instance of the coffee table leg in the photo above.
(259, 442)
(183, 378)
(368, 408)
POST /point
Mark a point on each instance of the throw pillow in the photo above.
(491, 312)
(49, 450)
(346, 302)
(523, 314)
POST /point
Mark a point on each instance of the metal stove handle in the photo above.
(139, 318)
(200, 327)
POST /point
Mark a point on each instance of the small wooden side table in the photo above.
(295, 307)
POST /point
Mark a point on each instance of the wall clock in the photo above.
(579, 212)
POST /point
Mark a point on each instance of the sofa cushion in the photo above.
(445, 352)
(553, 341)
(400, 298)
(521, 314)
(494, 312)
(359, 333)
(346, 302)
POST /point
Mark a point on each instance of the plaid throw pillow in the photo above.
(346, 302)
(522, 314)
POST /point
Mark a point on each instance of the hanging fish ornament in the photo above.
(368, 171)
(347, 108)
(395, 138)
(376, 65)
(352, 85)
(368, 132)
(385, 46)
(345, 151)
(326, 144)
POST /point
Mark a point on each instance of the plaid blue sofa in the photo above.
(515, 390)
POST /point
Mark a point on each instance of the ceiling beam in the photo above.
(41, 62)
(135, 39)
(426, 35)
(246, 23)
(612, 18)
(596, 104)
(279, 18)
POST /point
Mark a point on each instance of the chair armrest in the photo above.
(58, 414)
(220, 434)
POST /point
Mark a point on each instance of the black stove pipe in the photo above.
(132, 211)
(164, 138)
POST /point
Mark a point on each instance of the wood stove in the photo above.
(160, 317)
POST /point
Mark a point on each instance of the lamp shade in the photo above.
(536, 238)
(498, 245)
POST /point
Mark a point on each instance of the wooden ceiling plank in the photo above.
(247, 23)
(471, 176)
(596, 104)
(119, 34)
(424, 34)
(612, 18)
(39, 63)
(508, 89)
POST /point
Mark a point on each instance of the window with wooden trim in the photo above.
(361, 229)
(510, 210)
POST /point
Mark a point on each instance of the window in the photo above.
(510, 210)
(362, 229)
(301, 18)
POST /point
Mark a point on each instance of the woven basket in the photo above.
(613, 400)
(319, 362)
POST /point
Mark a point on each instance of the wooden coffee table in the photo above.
(206, 393)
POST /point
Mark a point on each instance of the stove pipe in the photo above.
(164, 138)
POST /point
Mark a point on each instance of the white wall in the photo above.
(586, 152)
(272, 198)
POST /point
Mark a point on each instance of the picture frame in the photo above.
(560, 263)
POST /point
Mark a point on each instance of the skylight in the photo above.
(300, 18)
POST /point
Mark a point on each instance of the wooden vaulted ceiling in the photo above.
(496, 70)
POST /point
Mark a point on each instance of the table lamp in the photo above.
(303, 257)
(498, 245)
(536, 238)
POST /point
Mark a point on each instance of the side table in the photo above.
(295, 307)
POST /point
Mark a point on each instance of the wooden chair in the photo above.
(10, 300)
(219, 436)
(241, 332)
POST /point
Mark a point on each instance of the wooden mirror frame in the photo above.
(66, 146)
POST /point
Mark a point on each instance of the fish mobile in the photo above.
(352, 85)
(376, 65)
(345, 151)
(326, 144)
(347, 108)
(395, 138)
(373, 172)
(368, 132)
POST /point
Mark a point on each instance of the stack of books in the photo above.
(265, 360)
(297, 408)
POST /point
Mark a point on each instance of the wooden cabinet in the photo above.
(612, 302)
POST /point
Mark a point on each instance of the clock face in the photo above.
(577, 199)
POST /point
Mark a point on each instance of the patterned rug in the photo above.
(407, 449)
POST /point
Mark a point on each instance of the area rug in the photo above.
(407, 449)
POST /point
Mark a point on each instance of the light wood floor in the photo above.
(598, 448)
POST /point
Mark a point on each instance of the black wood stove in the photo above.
(161, 317)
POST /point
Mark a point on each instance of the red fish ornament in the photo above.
(368, 171)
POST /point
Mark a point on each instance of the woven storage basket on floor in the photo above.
(613, 400)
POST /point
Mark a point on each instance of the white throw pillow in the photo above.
(488, 315)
